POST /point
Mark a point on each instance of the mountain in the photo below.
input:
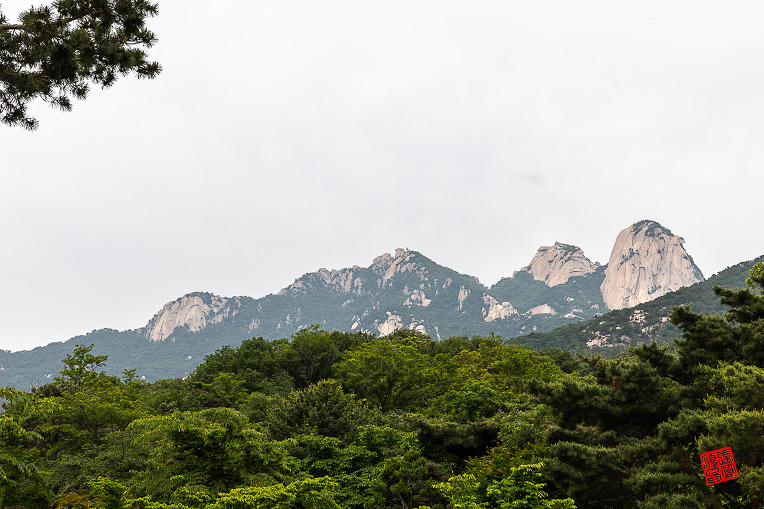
(647, 322)
(404, 290)
(560, 286)
(555, 265)
(193, 311)
(647, 261)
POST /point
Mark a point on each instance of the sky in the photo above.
(286, 136)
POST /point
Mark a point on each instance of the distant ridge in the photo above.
(559, 287)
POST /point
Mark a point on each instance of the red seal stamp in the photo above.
(718, 466)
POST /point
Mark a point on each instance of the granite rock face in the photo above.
(408, 290)
(194, 311)
(555, 265)
(647, 261)
(494, 310)
(357, 280)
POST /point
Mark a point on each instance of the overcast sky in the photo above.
(285, 136)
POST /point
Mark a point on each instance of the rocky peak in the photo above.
(194, 311)
(386, 266)
(647, 261)
(356, 279)
(336, 280)
(555, 265)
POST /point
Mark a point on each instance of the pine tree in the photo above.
(630, 434)
(56, 52)
(738, 336)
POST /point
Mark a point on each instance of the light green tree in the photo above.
(20, 478)
(216, 449)
(305, 494)
(388, 374)
(80, 366)
(463, 491)
(521, 489)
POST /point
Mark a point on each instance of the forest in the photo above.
(348, 420)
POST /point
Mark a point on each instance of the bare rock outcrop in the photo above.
(494, 310)
(340, 281)
(357, 280)
(555, 265)
(390, 325)
(417, 298)
(194, 311)
(541, 309)
(387, 266)
(647, 261)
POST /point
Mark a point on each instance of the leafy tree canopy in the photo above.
(20, 479)
(80, 366)
(217, 448)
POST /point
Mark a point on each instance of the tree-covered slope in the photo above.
(407, 290)
(612, 332)
(324, 420)
(126, 350)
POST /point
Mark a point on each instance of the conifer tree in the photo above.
(738, 336)
(56, 52)
(629, 435)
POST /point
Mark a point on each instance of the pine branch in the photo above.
(65, 20)
(46, 56)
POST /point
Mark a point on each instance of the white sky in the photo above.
(286, 136)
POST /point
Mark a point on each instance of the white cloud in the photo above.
(286, 136)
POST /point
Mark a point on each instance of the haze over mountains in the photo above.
(406, 289)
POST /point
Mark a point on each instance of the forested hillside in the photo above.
(613, 332)
(606, 334)
(336, 419)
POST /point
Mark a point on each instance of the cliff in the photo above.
(647, 261)
(555, 265)
(193, 311)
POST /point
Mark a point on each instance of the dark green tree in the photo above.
(256, 362)
(310, 355)
(629, 434)
(354, 466)
(85, 432)
(56, 52)
(738, 335)
(321, 408)
(403, 481)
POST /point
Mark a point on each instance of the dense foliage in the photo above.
(333, 419)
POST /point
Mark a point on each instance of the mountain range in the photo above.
(408, 290)
(559, 287)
